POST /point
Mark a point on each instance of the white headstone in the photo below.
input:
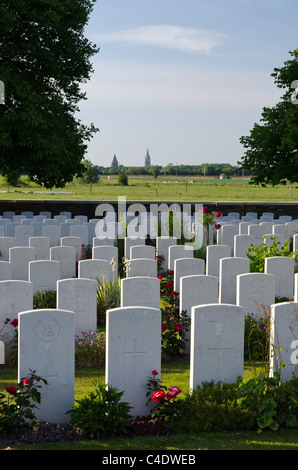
(241, 245)
(42, 247)
(80, 231)
(131, 241)
(110, 254)
(281, 231)
(103, 241)
(255, 292)
(19, 257)
(162, 248)
(228, 233)
(133, 339)
(79, 296)
(15, 296)
(282, 267)
(179, 251)
(66, 255)
(213, 255)
(197, 290)
(142, 251)
(97, 269)
(187, 267)
(229, 268)
(141, 267)
(2, 353)
(22, 234)
(44, 275)
(46, 346)
(5, 271)
(217, 344)
(140, 292)
(53, 232)
(284, 339)
(5, 244)
(72, 241)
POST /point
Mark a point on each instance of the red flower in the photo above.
(217, 226)
(26, 381)
(163, 327)
(218, 214)
(12, 390)
(171, 394)
(205, 210)
(169, 285)
(14, 322)
(154, 372)
(160, 276)
(158, 396)
(178, 326)
(175, 293)
(176, 389)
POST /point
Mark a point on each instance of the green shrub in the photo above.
(212, 407)
(101, 414)
(257, 254)
(17, 407)
(44, 299)
(272, 403)
(108, 296)
(256, 337)
(175, 324)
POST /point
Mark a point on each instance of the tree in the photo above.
(44, 57)
(123, 179)
(90, 174)
(154, 170)
(272, 150)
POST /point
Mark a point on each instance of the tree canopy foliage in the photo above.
(272, 146)
(44, 58)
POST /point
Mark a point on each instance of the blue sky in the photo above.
(185, 79)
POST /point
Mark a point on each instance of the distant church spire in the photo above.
(114, 163)
(147, 160)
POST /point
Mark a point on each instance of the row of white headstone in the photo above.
(46, 337)
(46, 345)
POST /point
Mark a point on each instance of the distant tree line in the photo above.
(205, 169)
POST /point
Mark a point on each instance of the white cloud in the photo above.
(187, 40)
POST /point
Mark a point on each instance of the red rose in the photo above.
(217, 226)
(178, 326)
(160, 276)
(175, 293)
(176, 389)
(154, 372)
(205, 210)
(171, 394)
(158, 396)
(163, 327)
(14, 322)
(12, 390)
(26, 381)
(169, 285)
(218, 214)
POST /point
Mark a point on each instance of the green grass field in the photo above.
(161, 188)
(172, 373)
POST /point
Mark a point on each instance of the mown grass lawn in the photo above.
(172, 373)
(158, 189)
